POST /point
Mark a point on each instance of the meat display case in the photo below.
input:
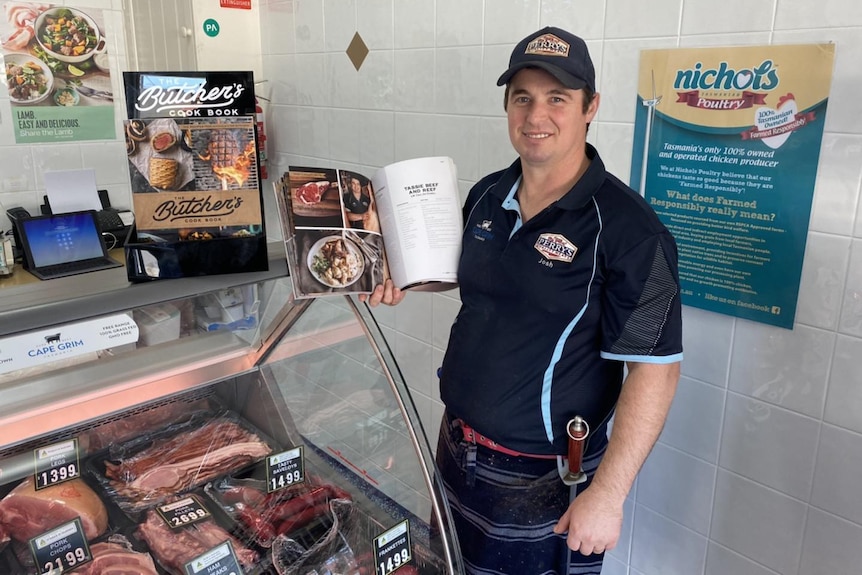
(344, 482)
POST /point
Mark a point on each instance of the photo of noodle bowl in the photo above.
(335, 261)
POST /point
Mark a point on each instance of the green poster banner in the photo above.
(725, 150)
(34, 124)
(57, 73)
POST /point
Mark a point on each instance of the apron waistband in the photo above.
(472, 436)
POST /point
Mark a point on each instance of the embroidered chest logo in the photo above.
(482, 231)
(556, 247)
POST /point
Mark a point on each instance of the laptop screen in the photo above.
(62, 238)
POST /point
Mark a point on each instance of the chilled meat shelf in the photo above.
(290, 448)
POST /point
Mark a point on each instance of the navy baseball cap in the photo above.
(560, 53)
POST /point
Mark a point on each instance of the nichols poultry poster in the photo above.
(57, 74)
(725, 150)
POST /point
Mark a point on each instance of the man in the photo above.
(566, 276)
(356, 203)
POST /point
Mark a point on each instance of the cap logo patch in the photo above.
(556, 247)
(548, 45)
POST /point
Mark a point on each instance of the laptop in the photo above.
(59, 245)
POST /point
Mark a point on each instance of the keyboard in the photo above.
(74, 268)
(110, 220)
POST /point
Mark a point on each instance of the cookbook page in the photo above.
(420, 213)
(332, 232)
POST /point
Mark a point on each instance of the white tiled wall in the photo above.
(757, 470)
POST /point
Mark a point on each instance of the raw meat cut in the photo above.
(312, 192)
(132, 425)
(26, 513)
(188, 459)
(117, 559)
(173, 549)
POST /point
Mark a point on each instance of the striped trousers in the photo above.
(505, 508)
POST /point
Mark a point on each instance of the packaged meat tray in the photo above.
(149, 470)
(262, 517)
(148, 420)
(173, 548)
(26, 512)
(113, 554)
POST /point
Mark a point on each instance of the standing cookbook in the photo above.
(347, 233)
(192, 148)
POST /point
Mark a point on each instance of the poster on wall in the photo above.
(56, 73)
(725, 150)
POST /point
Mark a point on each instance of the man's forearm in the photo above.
(640, 415)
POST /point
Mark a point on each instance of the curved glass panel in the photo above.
(352, 410)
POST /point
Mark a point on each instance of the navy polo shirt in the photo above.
(552, 308)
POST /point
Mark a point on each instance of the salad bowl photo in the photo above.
(28, 79)
(68, 34)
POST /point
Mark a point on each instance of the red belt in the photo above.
(471, 436)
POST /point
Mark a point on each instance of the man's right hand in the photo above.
(386, 293)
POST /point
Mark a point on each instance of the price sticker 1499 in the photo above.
(284, 469)
(56, 463)
(392, 549)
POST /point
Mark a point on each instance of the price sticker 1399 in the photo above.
(57, 463)
(285, 469)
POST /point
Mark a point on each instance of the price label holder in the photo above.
(392, 549)
(183, 513)
(61, 549)
(57, 463)
(219, 560)
(285, 469)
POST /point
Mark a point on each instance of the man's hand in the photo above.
(593, 521)
(386, 293)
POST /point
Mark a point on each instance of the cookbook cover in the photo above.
(193, 159)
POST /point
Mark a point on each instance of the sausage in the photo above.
(255, 522)
(243, 494)
(291, 507)
(303, 518)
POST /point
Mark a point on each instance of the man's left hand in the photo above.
(593, 522)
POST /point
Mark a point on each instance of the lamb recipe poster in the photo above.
(57, 72)
(725, 150)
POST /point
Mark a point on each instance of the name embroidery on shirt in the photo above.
(556, 247)
(482, 231)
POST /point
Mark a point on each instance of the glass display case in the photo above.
(219, 430)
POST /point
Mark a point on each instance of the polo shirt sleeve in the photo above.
(642, 315)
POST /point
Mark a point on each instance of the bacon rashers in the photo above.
(178, 463)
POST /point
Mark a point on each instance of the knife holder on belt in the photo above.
(577, 429)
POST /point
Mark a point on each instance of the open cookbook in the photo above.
(346, 233)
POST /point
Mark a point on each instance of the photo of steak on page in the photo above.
(314, 200)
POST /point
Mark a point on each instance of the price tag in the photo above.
(61, 549)
(220, 560)
(392, 549)
(284, 469)
(57, 463)
(183, 513)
